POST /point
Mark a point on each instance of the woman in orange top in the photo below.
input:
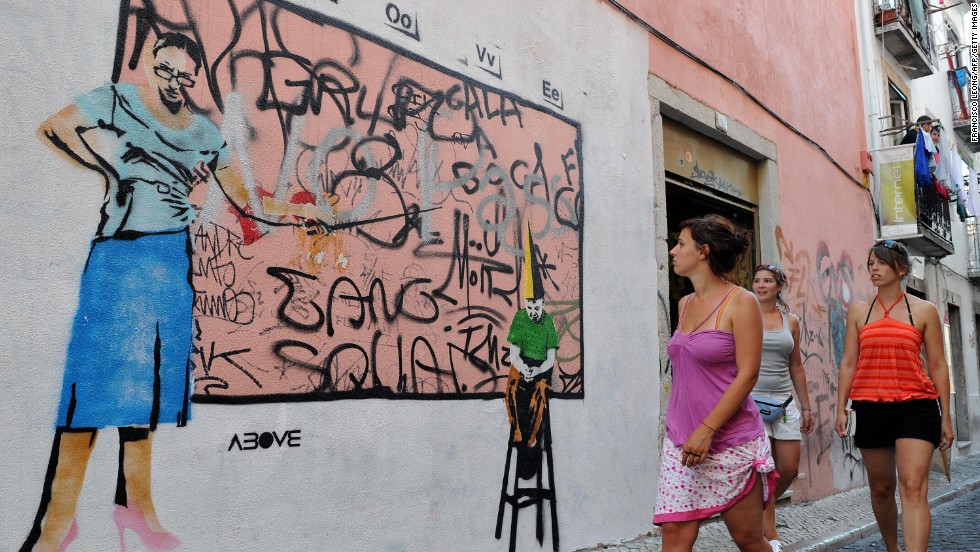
(899, 420)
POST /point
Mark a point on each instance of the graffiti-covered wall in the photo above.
(238, 231)
(419, 183)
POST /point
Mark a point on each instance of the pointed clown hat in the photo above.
(531, 287)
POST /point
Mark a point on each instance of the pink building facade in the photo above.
(787, 81)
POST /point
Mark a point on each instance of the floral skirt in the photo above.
(724, 478)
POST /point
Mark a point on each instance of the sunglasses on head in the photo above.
(890, 244)
(771, 268)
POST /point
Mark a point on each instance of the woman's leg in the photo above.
(60, 496)
(744, 521)
(880, 465)
(136, 467)
(913, 457)
(680, 536)
(786, 454)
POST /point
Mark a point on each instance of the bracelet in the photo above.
(709, 427)
(807, 408)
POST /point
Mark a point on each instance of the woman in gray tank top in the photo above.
(780, 373)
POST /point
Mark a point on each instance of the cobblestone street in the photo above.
(841, 519)
(954, 527)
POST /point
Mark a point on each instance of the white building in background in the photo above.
(916, 61)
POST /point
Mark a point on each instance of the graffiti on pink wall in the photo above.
(417, 184)
(822, 285)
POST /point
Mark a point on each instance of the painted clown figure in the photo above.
(533, 342)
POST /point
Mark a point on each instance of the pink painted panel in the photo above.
(423, 181)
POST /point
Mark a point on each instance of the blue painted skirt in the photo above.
(128, 360)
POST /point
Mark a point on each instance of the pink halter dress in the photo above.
(703, 364)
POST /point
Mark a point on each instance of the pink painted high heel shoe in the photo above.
(131, 517)
(72, 533)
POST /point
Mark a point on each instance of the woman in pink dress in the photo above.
(716, 446)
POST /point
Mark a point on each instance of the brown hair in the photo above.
(727, 243)
(893, 254)
(780, 278)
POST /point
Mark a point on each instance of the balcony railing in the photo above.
(934, 223)
(960, 81)
(973, 255)
(903, 27)
(959, 93)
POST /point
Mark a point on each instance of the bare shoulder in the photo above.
(859, 308)
(744, 301)
(744, 296)
(922, 308)
(794, 321)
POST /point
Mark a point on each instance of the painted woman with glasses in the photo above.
(781, 373)
(127, 364)
(716, 457)
(901, 407)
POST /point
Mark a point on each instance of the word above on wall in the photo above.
(252, 440)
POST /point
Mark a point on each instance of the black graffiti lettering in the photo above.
(234, 306)
(297, 96)
(363, 162)
(462, 167)
(412, 100)
(207, 362)
(377, 293)
(470, 350)
(282, 348)
(459, 267)
(431, 367)
(333, 360)
(355, 323)
(471, 104)
(568, 212)
(283, 274)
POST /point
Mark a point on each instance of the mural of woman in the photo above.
(127, 362)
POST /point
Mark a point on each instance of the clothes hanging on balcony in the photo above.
(961, 76)
(923, 176)
(927, 140)
(944, 160)
(956, 179)
(955, 171)
(973, 198)
(918, 9)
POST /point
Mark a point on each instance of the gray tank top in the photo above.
(774, 370)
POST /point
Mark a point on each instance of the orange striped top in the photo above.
(889, 366)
